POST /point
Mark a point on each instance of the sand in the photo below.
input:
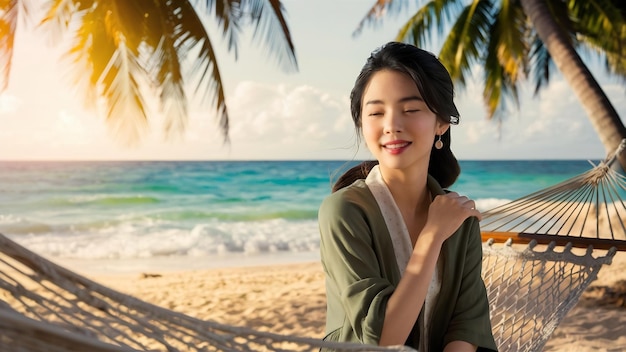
(289, 299)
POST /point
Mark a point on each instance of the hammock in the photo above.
(531, 291)
(86, 314)
(43, 305)
(588, 209)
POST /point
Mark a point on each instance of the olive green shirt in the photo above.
(361, 273)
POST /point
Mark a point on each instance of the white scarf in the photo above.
(401, 241)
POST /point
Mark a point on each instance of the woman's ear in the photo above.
(442, 127)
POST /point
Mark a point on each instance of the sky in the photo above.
(275, 115)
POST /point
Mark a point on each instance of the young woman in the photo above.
(402, 256)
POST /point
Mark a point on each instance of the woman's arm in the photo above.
(408, 298)
(445, 216)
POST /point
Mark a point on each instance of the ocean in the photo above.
(206, 213)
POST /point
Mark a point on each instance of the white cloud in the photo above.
(283, 121)
(477, 131)
(552, 125)
(558, 121)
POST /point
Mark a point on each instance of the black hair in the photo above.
(435, 86)
(356, 172)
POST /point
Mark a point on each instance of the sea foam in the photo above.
(216, 238)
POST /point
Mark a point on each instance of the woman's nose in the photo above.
(393, 123)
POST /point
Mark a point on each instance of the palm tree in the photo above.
(127, 51)
(515, 39)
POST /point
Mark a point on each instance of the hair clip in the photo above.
(454, 120)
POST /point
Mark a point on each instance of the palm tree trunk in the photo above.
(601, 113)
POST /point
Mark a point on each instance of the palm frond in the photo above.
(114, 71)
(129, 48)
(601, 26)
(228, 14)
(126, 113)
(432, 17)
(126, 49)
(11, 12)
(56, 22)
(8, 23)
(272, 27)
(512, 48)
(165, 66)
(378, 11)
(499, 87)
(123, 74)
(595, 16)
(382, 8)
(493, 91)
(194, 36)
(128, 19)
(59, 15)
(467, 39)
(541, 64)
(506, 58)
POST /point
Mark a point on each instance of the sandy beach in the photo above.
(289, 299)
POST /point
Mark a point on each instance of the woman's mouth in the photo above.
(396, 147)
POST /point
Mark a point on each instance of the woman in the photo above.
(402, 257)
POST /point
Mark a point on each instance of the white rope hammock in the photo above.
(43, 304)
(92, 317)
(588, 209)
(531, 291)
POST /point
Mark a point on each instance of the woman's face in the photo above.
(398, 127)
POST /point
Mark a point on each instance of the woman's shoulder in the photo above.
(349, 200)
(357, 192)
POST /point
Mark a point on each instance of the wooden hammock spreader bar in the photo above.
(560, 240)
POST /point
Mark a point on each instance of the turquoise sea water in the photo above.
(216, 210)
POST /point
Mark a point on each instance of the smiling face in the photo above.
(398, 127)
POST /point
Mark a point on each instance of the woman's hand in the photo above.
(446, 214)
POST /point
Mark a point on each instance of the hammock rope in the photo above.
(531, 291)
(34, 288)
(587, 209)
(41, 303)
